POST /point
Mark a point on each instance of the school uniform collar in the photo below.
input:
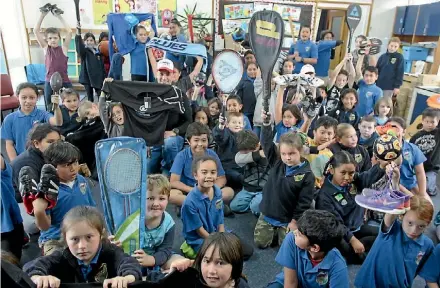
(305, 42)
(336, 189)
(291, 170)
(32, 114)
(94, 260)
(201, 196)
(325, 264)
(419, 241)
(249, 78)
(35, 151)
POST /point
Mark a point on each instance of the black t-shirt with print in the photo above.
(428, 143)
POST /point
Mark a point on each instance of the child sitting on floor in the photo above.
(309, 255)
(111, 115)
(159, 227)
(367, 133)
(255, 174)
(69, 110)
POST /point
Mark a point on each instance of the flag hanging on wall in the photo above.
(100, 10)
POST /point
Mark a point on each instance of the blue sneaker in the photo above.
(382, 203)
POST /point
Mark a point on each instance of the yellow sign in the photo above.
(100, 10)
(267, 29)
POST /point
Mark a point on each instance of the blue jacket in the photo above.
(245, 91)
(391, 70)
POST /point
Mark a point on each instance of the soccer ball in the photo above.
(387, 147)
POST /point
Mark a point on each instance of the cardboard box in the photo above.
(429, 80)
(426, 68)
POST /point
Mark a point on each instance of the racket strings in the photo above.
(123, 171)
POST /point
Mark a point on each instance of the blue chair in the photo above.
(36, 74)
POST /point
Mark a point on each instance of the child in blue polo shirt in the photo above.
(412, 171)
(202, 210)
(287, 116)
(182, 177)
(368, 91)
(12, 231)
(309, 254)
(325, 47)
(73, 191)
(303, 51)
(69, 109)
(17, 124)
(431, 270)
(403, 238)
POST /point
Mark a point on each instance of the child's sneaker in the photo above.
(382, 203)
(407, 198)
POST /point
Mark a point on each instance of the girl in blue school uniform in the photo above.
(140, 69)
(12, 231)
(431, 270)
(16, 125)
(303, 51)
(404, 239)
(73, 190)
(309, 254)
(337, 195)
(246, 92)
(89, 256)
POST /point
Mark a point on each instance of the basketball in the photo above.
(103, 48)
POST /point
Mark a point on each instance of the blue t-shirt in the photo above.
(324, 55)
(380, 121)
(368, 96)
(306, 49)
(16, 126)
(198, 211)
(10, 211)
(431, 270)
(153, 238)
(138, 60)
(330, 272)
(68, 198)
(381, 270)
(280, 129)
(412, 156)
(182, 166)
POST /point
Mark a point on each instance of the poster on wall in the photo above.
(288, 31)
(124, 6)
(166, 9)
(239, 11)
(260, 6)
(230, 25)
(145, 6)
(286, 11)
(100, 10)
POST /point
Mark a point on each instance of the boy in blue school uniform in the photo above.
(309, 255)
(12, 231)
(406, 240)
(431, 270)
(391, 69)
(325, 47)
(412, 171)
(303, 51)
(16, 125)
(73, 190)
(368, 91)
(202, 210)
(182, 177)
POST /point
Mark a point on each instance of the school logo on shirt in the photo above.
(102, 273)
(358, 158)
(369, 94)
(339, 197)
(352, 117)
(307, 49)
(322, 278)
(393, 60)
(219, 204)
(83, 188)
(419, 257)
(298, 177)
(407, 155)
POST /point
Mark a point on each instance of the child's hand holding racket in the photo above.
(141, 257)
(266, 117)
(55, 99)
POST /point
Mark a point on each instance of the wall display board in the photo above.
(238, 11)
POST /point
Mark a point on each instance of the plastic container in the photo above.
(414, 53)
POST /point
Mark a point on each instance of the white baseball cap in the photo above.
(307, 69)
(165, 65)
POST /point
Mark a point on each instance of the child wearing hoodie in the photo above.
(391, 69)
